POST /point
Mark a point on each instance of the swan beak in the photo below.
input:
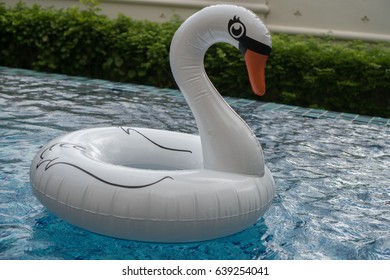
(255, 63)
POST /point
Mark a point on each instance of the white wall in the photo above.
(360, 19)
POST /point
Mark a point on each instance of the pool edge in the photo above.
(235, 102)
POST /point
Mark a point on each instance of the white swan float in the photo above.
(161, 186)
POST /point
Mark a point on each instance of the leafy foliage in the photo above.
(347, 76)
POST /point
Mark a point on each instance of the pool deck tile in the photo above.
(235, 102)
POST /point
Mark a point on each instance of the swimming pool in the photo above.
(331, 172)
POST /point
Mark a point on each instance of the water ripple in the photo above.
(332, 177)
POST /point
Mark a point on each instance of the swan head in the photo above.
(254, 42)
(226, 23)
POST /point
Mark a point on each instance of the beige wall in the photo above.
(361, 19)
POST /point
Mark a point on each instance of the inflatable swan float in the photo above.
(161, 186)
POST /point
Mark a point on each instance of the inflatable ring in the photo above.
(162, 186)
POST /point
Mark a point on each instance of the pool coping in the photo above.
(235, 102)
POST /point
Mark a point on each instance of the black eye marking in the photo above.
(238, 31)
(236, 28)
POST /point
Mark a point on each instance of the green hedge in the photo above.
(324, 73)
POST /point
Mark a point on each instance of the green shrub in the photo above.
(324, 73)
(343, 76)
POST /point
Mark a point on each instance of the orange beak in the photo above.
(255, 63)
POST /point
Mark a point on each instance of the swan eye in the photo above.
(236, 28)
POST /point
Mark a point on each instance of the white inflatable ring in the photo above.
(154, 185)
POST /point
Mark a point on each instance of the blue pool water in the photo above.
(332, 175)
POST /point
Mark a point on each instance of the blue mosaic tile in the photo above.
(270, 106)
(362, 119)
(300, 110)
(380, 121)
(331, 114)
(244, 102)
(287, 108)
(313, 114)
(347, 116)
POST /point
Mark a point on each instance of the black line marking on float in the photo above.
(78, 147)
(61, 145)
(110, 183)
(127, 131)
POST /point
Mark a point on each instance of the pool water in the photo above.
(332, 175)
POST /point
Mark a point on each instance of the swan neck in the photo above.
(228, 144)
